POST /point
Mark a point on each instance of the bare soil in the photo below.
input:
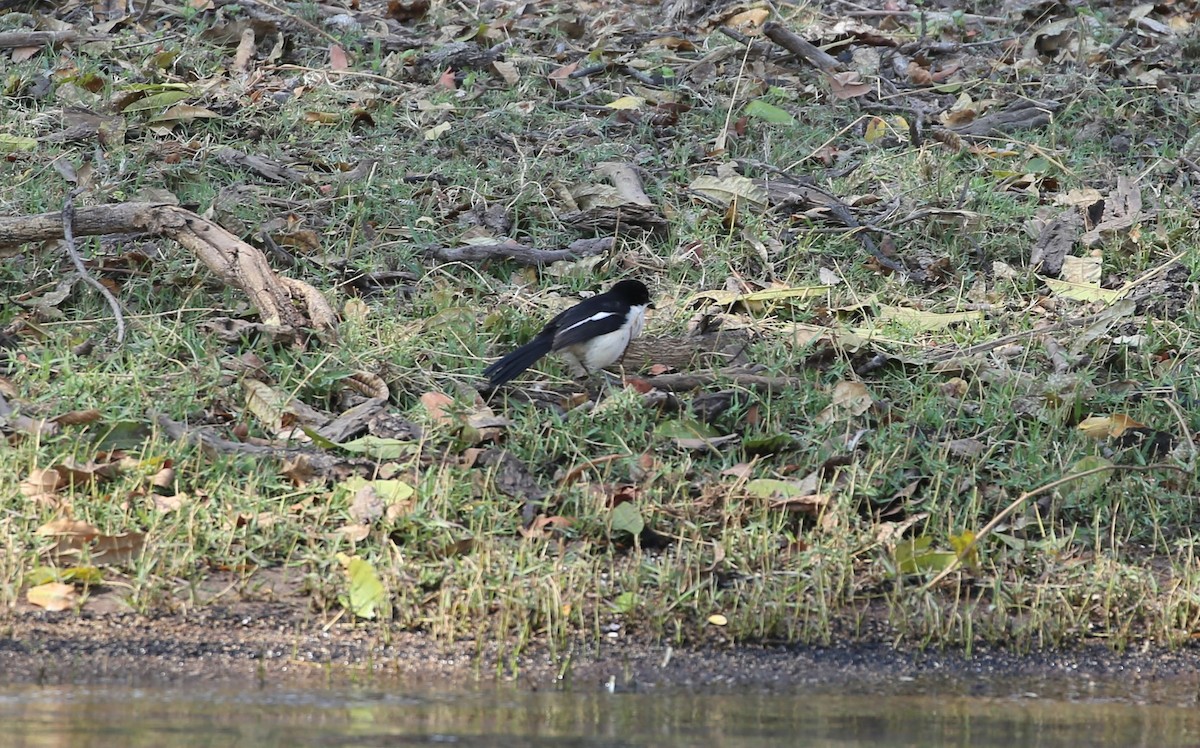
(273, 644)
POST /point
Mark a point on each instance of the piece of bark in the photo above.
(802, 48)
(710, 350)
(625, 179)
(18, 39)
(1055, 242)
(522, 254)
(233, 261)
(460, 56)
(330, 466)
(1022, 114)
(512, 478)
(264, 167)
(595, 208)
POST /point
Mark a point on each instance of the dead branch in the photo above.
(18, 39)
(696, 380)
(522, 254)
(1022, 114)
(68, 219)
(264, 167)
(212, 445)
(802, 48)
(279, 301)
(710, 350)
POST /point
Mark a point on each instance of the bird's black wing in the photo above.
(589, 319)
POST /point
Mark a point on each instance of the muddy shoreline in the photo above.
(275, 648)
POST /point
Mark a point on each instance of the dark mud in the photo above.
(271, 645)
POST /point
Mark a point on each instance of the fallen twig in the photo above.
(68, 218)
(802, 48)
(279, 300)
(18, 39)
(685, 381)
(520, 253)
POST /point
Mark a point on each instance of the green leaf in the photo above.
(685, 429)
(626, 517)
(626, 602)
(157, 101)
(767, 488)
(914, 557)
(388, 491)
(366, 592)
(124, 435)
(1082, 489)
(767, 443)
(378, 447)
(13, 143)
(88, 575)
(760, 109)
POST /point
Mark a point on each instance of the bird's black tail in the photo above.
(513, 364)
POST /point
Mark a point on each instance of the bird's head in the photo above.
(634, 292)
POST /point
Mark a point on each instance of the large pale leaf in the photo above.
(365, 594)
(626, 517)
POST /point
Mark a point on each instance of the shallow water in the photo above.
(87, 717)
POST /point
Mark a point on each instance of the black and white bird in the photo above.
(590, 335)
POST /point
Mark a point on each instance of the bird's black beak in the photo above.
(651, 306)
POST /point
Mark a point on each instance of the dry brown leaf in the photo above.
(748, 20)
(919, 75)
(68, 526)
(1082, 270)
(168, 504)
(546, 527)
(965, 447)
(337, 58)
(77, 417)
(74, 537)
(848, 85)
(508, 71)
(367, 506)
(850, 399)
(355, 531)
(437, 405)
(809, 504)
(43, 482)
(245, 50)
(53, 596)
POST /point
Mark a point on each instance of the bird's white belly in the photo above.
(603, 350)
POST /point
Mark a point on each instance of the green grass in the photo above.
(1116, 564)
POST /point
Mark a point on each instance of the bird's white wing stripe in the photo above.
(594, 318)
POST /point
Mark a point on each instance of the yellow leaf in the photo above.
(627, 102)
(437, 131)
(1099, 427)
(184, 113)
(876, 129)
(756, 301)
(922, 320)
(1084, 291)
(962, 543)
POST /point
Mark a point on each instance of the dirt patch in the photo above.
(271, 645)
